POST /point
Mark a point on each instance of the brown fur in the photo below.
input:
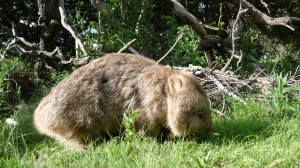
(91, 101)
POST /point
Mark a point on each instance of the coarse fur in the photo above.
(91, 101)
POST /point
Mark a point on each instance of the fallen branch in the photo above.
(224, 89)
(216, 82)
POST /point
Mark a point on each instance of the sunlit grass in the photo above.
(250, 137)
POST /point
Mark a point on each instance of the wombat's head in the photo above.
(188, 106)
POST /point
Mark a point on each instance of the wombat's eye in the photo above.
(201, 115)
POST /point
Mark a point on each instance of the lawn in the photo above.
(251, 135)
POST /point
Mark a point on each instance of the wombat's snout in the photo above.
(192, 126)
(200, 124)
(208, 124)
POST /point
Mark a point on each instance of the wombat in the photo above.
(91, 101)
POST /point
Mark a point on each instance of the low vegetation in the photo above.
(263, 131)
(253, 135)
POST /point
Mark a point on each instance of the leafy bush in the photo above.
(186, 51)
(284, 100)
(10, 89)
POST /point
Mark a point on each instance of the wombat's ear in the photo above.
(174, 84)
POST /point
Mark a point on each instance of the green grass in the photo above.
(9, 94)
(250, 137)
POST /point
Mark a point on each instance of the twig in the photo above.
(77, 61)
(129, 48)
(9, 46)
(297, 69)
(126, 46)
(13, 42)
(265, 5)
(215, 28)
(220, 114)
(179, 37)
(221, 13)
(240, 59)
(288, 26)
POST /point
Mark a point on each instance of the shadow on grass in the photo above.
(31, 136)
(238, 130)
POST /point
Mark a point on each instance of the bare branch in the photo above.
(262, 18)
(233, 38)
(50, 54)
(265, 5)
(221, 13)
(137, 27)
(199, 27)
(196, 25)
(14, 42)
(77, 61)
(240, 59)
(179, 37)
(8, 47)
(215, 28)
(126, 46)
(129, 48)
(66, 24)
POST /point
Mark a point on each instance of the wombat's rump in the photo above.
(91, 101)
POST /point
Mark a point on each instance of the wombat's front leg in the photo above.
(147, 124)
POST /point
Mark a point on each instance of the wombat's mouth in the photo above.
(197, 135)
(191, 135)
(203, 132)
